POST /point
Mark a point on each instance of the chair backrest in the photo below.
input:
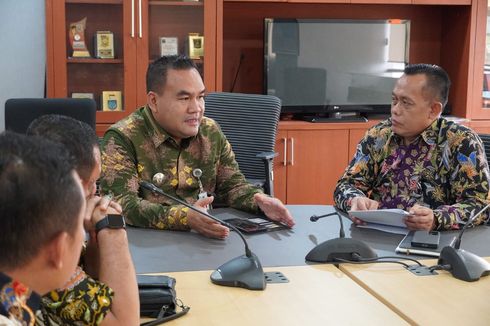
(20, 112)
(486, 144)
(249, 121)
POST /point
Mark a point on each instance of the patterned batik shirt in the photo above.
(84, 301)
(17, 302)
(136, 148)
(444, 168)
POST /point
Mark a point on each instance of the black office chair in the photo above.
(20, 112)
(249, 121)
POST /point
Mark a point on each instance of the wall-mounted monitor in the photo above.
(326, 66)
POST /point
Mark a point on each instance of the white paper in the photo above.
(385, 228)
(387, 220)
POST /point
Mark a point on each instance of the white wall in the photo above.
(22, 50)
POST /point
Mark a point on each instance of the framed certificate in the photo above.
(196, 46)
(169, 46)
(104, 45)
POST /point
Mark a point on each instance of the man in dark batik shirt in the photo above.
(417, 160)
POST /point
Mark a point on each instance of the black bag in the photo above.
(158, 298)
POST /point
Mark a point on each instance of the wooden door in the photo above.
(317, 160)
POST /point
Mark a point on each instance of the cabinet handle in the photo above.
(285, 158)
(292, 151)
(132, 18)
(140, 25)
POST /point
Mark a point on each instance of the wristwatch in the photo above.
(111, 221)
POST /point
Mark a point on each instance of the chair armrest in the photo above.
(267, 158)
(266, 155)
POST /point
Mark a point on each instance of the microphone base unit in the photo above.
(243, 271)
(465, 265)
(344, 248)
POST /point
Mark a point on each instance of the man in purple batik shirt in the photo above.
(418, 161)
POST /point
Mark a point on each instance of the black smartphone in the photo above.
(246, 226)
(426, 239)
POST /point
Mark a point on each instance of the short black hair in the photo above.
(156, 74)
(438, 82)
(77, 136)
(39, 196)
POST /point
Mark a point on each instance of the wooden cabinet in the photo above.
(137, 26)
(312, 157)
(480, 110)
(312, 161)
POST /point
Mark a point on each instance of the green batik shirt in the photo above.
(136, 148)
(444, 168)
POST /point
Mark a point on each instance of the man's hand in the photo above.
(274, 209)
(421, 218)
(97, 209)
(203, 224)
(362, 204)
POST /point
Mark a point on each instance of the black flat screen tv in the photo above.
(329, 66)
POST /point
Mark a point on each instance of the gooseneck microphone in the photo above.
(341, 248)
(244, 271)
(315, 218)
(463, 264)
(457, 242)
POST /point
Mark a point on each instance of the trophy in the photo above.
(104, 45)
(196, 46)
(77, 39)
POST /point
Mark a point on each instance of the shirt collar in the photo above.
(429, 135)
(159, 135)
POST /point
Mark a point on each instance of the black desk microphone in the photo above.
(341, 247)
(463, 264)
(244, 271)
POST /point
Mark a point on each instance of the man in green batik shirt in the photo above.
(168, 141)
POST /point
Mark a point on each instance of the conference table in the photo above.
(317, 294)
(425, 300)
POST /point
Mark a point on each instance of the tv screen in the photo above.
(320, 66)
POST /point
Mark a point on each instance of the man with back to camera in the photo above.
(107, 257)
(41, 217)
(167, 142)
(417, 160)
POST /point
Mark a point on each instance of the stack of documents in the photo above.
(387, 220)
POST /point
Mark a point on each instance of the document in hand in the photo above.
(388, 220)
